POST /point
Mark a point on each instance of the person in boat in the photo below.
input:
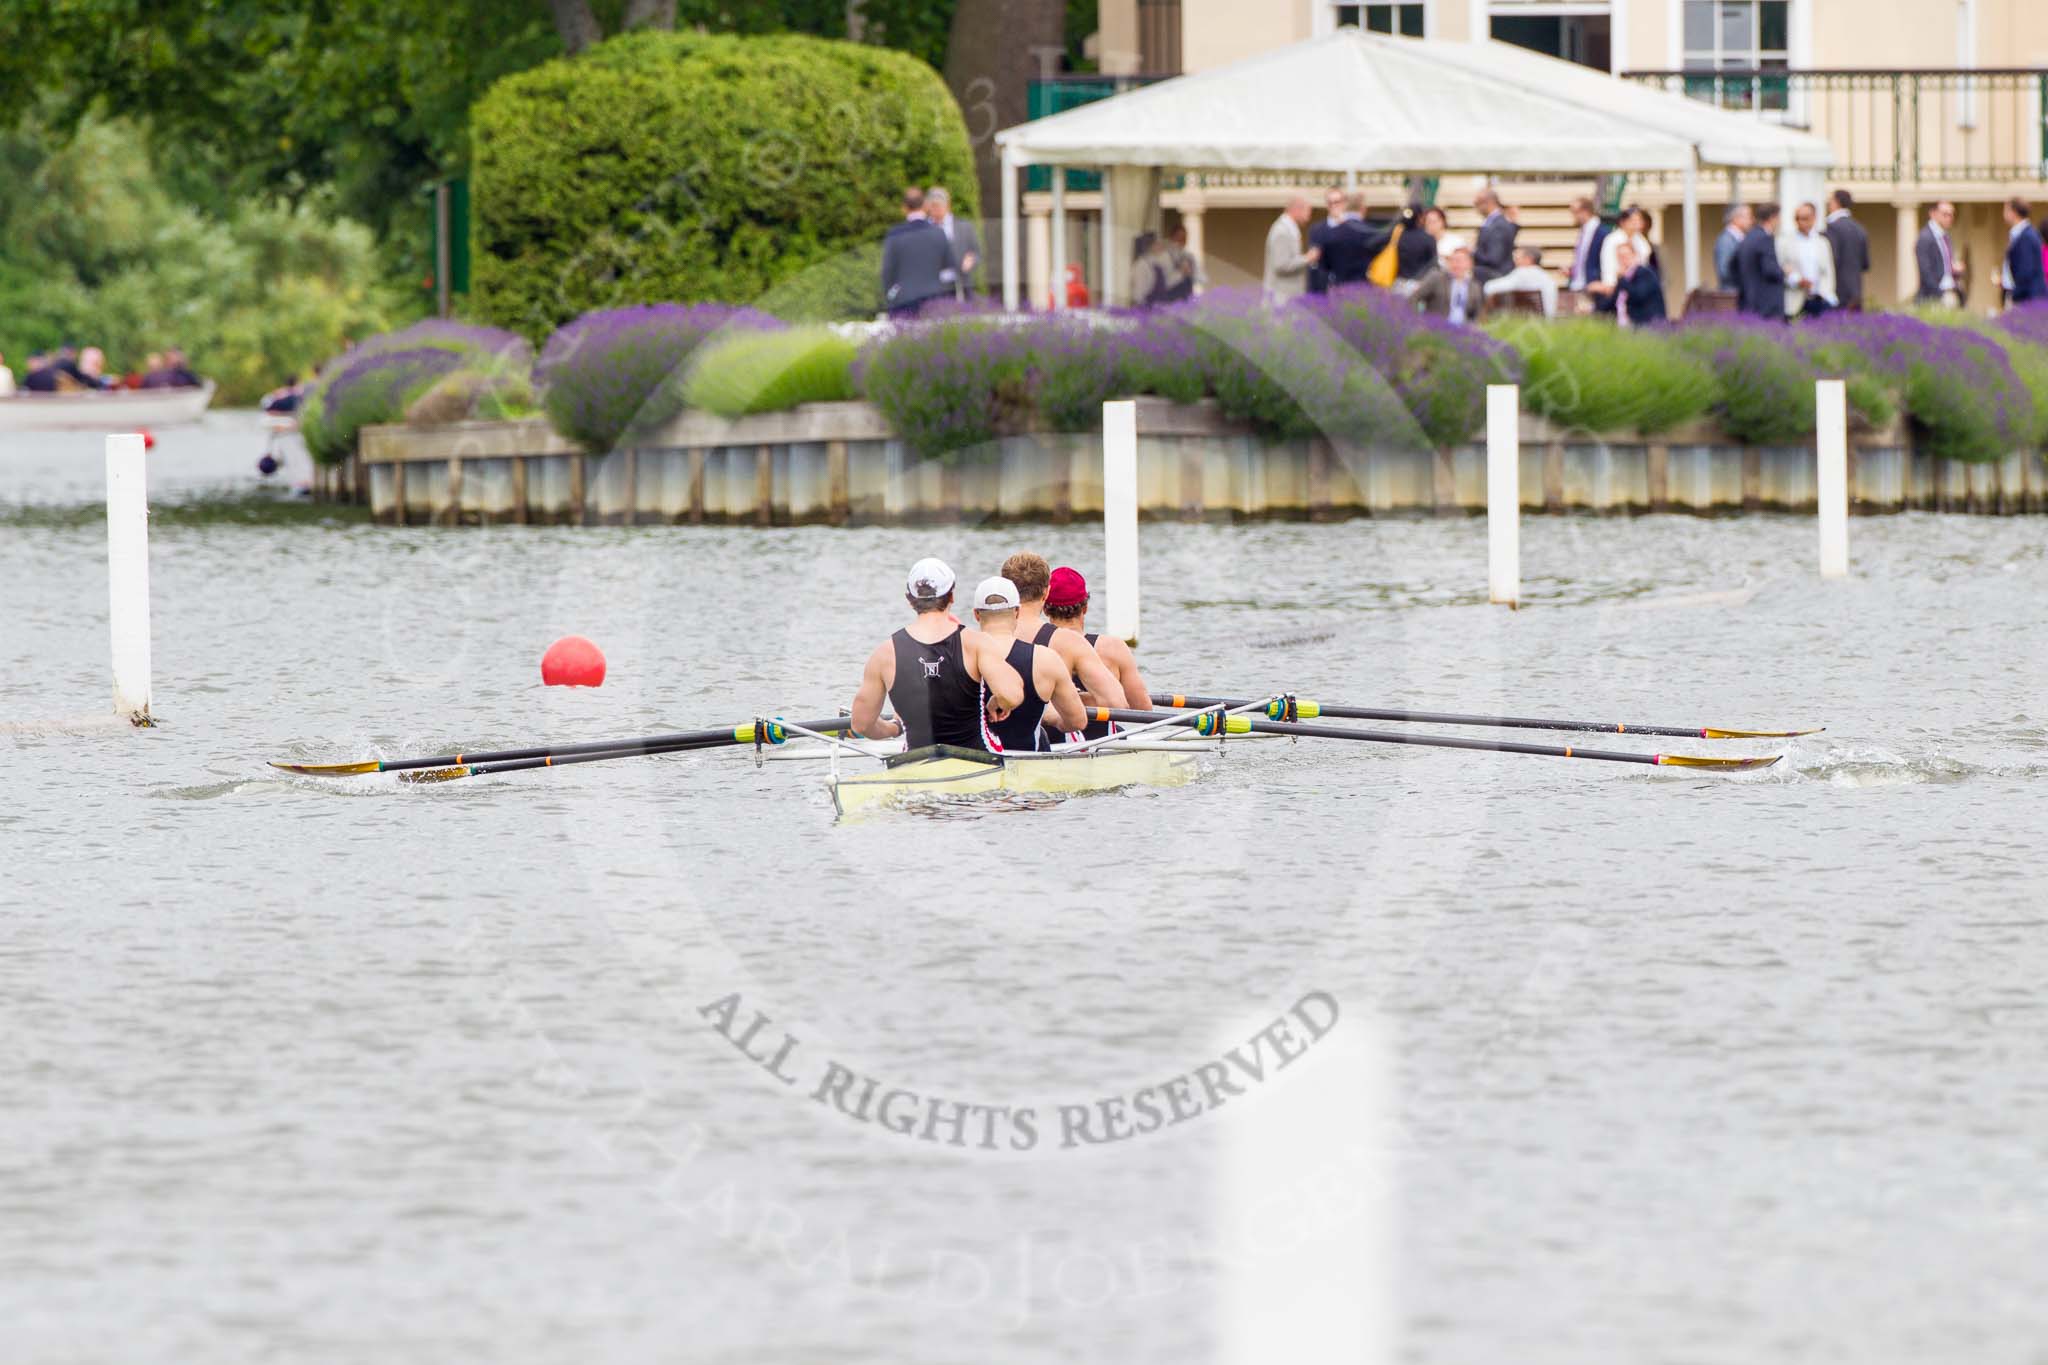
(1033, 575)
(92, 369)
(1048, 687)
(949, 685)
(1066, 606)
(284, 402)
(172, 374)
(40, 376)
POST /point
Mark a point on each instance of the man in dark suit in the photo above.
(916, 257)
(1759, 276)
(1636, 298)
(1941, 274)
(1319, 238)
(1350, 248)
(1493, 254)
(1592, 235)
(2026, 275)
(1851, 245)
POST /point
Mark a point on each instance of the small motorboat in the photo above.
(106, 410)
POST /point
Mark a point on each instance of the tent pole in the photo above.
(1692, 221)
(1010, 252)
(1102, 298)
(1059, 237)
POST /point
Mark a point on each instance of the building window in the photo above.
(1404, 19)
(1749, 36)
(1581, 32)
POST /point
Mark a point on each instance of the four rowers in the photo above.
(995, 688)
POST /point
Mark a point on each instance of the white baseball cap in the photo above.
(929, 578)
(995, 594)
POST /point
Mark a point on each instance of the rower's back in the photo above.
(936, 700)
(1020, 731)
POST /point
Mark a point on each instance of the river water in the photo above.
(1629, 1065)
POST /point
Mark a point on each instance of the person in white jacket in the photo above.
(1634, 228)
(1286, 263)
(1809, 263)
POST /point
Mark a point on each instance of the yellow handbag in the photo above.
(1386, 266)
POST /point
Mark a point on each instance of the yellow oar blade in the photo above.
(1712, 733)
(1725, 765)
(433, 774)
(329, 769)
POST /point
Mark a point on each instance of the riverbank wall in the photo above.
(838, 464)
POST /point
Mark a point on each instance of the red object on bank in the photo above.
(572, 661)
(148, 441)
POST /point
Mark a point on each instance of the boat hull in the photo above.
(928, 774)
(115, 410)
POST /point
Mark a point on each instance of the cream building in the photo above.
(1923, 100)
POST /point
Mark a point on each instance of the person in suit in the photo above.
(1808, 261)
(915, 260)
(1851, 246)
(1493, 253)
(2026, 275)
(1319, 237)
(1941, 271)
(1593, 233)
(1351, 247)
(1287, 265)
(1453, 292)
(961, 237)
(1528, 277)
(1734, 228)
(1760, 279)
(1636, 297)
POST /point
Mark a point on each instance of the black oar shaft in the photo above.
(609, 748)
(1334, 712)
(1253, 725)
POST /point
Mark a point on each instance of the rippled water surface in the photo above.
(1669, 1067)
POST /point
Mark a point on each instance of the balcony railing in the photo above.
(1895, 126)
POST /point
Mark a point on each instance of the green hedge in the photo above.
(747, 372)
(1590, 375)
(684, 167)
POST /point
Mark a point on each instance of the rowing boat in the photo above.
(942, 770)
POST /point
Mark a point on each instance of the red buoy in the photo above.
(572, 661)
(148, 441)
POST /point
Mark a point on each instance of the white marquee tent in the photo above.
(1360, 102)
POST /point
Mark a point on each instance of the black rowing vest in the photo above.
(1095, 729)
(935, 699)
(1021, 732)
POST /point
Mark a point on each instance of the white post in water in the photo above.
(1120, 516)
(1504, 493)
(1831, 404)
(128, 574)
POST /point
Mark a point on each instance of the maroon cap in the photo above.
(1067, 588)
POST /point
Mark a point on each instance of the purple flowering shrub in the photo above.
(1074, 370)
(1957, 383)
(1293, 376)
(619, 372)
(948, 385)
(378, 379)
(1159, 352)
(1439, 371)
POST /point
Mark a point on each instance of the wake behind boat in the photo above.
(108, 410)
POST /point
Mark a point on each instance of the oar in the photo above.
(1204, 723)
(1312, 709)
(554, 754)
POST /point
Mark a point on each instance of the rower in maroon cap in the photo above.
(1066, 607)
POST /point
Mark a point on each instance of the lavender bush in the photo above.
(1293, 376)
(1159, 352)
(619, 372)
(1957, 383)
(380, 377)
(949, 385)
(1075, 368)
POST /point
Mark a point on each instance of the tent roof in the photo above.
(1368, 102)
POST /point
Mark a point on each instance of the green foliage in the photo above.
(94, 250)
(745, 372)
(1590, 375)
(949, 386)
(686, 167)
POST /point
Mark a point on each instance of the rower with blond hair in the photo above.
(1033, 576)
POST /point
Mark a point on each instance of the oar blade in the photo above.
(329, 769)
(435, 774)
(1722, 765)
(1712, 732)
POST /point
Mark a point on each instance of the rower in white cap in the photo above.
(947, 683)
(1047, 682)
